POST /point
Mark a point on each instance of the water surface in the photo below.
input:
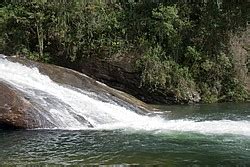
(202, 144)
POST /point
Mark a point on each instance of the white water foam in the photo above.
(100, 114)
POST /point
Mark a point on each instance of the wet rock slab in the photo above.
(16, 112)
(19, 111)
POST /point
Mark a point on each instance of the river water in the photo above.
(210, 135)
(217, 134)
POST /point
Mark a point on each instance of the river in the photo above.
(213, 135)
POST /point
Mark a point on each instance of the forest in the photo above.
(182, 48)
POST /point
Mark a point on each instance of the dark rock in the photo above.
(16, 112)
(120, 72)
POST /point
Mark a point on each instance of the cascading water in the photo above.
(70, 108)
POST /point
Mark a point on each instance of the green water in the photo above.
(133, 147)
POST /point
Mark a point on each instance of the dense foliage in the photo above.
(183, 47)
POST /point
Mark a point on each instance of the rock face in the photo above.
(76, 79)
(240, 49)
(16, 111)
(247, 47)
(11, 108)
(120, 72)
(19, 111)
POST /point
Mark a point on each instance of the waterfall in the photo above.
(70, 108)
